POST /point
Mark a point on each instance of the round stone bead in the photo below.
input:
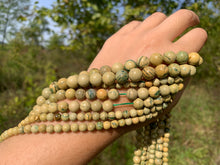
(142, 93)
(42, 128)
(53, 98)
(63, 106)
(148, 73)
(65, 117)
(104, 69)
(60, 95)
(156, 59)
(167, 98)
(93, 70)
(138, 103)
(169, 57)
(192, 70)
(181, 86)
(111, 115)
(53, 87)
(74, 127)
(88, 116)
(121, 122)
(125, 114)
(128, 121)
(74, 106)
(174, 88)
(174, 69)
(133, 113)
(44, 108)
(135, 74)
(40, 100)
(57, 128)
(43, 117)
(148, 84)
(156, 82)
(80, 116)
(96, 105)
(46, 92)
(91, 126)
(85, 106)
(108, 78)
(200, 60)
(132, 94)
(149, 102)
(34, 128)
(135, 120)
(50, 117)
(72, 116)
(99, 125)
(83, 80)
(164, 81)
(62, 83)
(185, 70)
(50, 128)
(72, 81)
(154, 91)
(129, 64)
(118, 114)
(80, 94)
(170, 80)
(57, 117)
(107, 106)
(117, 67)
(84, 72)
(122, 76)
(66, 127)
(164, 90)
(106, 125)
(113, 94)
(143, 61)
(95, 116)
(114, 124)
(136, 159)
(182, 57)
(102, 94)
(158, 101)
(146, 110)
(161, 71)
(91, 94)
(103, 116)
(70, 94)
(95, 79)
(138, 152)
(193, 58)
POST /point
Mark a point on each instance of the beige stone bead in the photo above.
(149, 102)
(57, 128)
(174, 88)
(83, 80)
(185, 70)
(15, 131)
(88, 116)
(132, 94)
(70, 94)
(148, 73)
(106, 125)
(107, 106)
(111, 115)
(194, 58)
(156, 82)
(53, 87)
(142, 119)
(50, 128)
(40, 100)
(138, 103)
(113, 94)
(135, 120)
(169, 57)
(117, 67)
(91, 126)
(118, 114)
(74, 127)
(135, 74)
(156, 59)
(108, 78)
(143, 61)
(85, 106)
(138, 152)
(62, 83)
(72, 116)
(136, 159)
(200, 60)
(99, 125)
(72, 81)
(128, 121)
(148, 84)
(95, 116)
(96, 105)
(103, 116)
(181, 86)
(84, 72)
(102, 94)
(66, 127)
(164, 90)
(27, 129)
(95, 79)
(34, 128)
(154, 91)
(142, 93)
(182, 57)
(50, 117)
(114, 124)
(140, 112)
(46, 92)
(80, 116)
(161, 71)
(65, 117)
(192, 70)
(44, 108)
(62, 106)
(93, 70)
(104, 69)
(121, 122)
(74, 106)
(60, 95)
(53, 98)
(130, 64)
(174, 69)
(43, 117)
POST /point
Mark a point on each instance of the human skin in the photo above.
(154, 34)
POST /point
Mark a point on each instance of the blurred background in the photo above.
(42, 41)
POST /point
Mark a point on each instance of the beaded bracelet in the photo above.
(150, 83)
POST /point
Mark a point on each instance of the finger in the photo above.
(151, 21)
(177, 23)
(129, 27)
(192, 41)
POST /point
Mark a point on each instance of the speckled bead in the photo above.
(104, 69)
(102, 94)
(46, 92)
(95, 79)
(114, 124)
(143, 61)
(35, 129)
(72, 81)
(44, 108)
(161, 71)
(107, 106)
(182, 57)
(185, 70)
(91, 94)
(136, 159)
(193, 58)
(74, 127)
(108, 78)
(65, 117)
(50, 128)
(43, 117)
(181, 86)
(93, 70)
(133, 113)
(169, 57)
(74, 106)
(66, 127)
(154, 91)
(132, 94)
(138, 103)
(148, 84)
(128, 121)
(54, 87)
(156, 82)
(85, 106)
(158, 101)
(58, 128)
(72, 116)
(42, 128)
(62, 83)
(174, 70)
(113, 94)
(135, 120)
(111, 115)
(62, 106)
(129, 64)
(125, 114)
(40, 100)
(27, 129)
(103, 116)
(174, 88)
(118, 114)
(192, 70)
(99, 125)
(96, 105)
(117, 67)
(142, 93)
(164, 90)
(167, 98)
(121, 77)
(50, 117)
(83, 80)
(163, 81)
(146, 111)
(95, 116)
(80, 94)
(149, 102)
(200, 60)
(135, 74)
(70, 94)
(60, 95)
(156, 59)
(91, 126)
(170, 80)
(53, 98)
(148, 73)
(106, 125)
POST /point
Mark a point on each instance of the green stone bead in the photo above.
(85, 106)
(66, 127)
(113, 94)
(149, 102)
(91, 126)
(111, 115)
(74, 127)
(154, 91)
(138, 103)
(50, 117)
(174, 88)
(46, 92)
(117, 67)
(135, 74)
(40, 100)
(99, 125)
(34, 128)
(50, 128)
(70, 94)
(74, 106)
(169, 57)
(83, 80)
(53, 87)
(143, 61)
(43, 117)
(128, 121)
(96, 105)
(185, 70)
(161, 71)
(62, 106)
(174, 70)
(132, 94)
(88, 116)
(91, 94)
(104, 69)
(156, 59)
(125, 114)
(133, 113)
(57, 117)
(122, 76)
(95, 79)
(80, 116)
(108, 78)
(148, 73)
(60, 95)
(114, 124)
(95, 116)
(192, 70)
(62, 83)
(164, 90)
(107, 106)
(80, 94)
(72, 81)
(118, 114)
(182, 57)
(72, 116)
(129, 64)
(121, 123)
(103, 116)
(65, 117)
(57, 128)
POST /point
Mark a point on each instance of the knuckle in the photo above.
(159, 14)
